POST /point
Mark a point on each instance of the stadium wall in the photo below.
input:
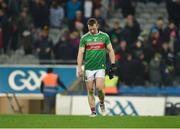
(120, 105)
(134, 106)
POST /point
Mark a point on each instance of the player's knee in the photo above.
(99, 89)
(90, 91)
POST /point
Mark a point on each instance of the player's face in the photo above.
(93, 29)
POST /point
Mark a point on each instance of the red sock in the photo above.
(93, 109)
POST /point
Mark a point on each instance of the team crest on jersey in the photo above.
(95, 39)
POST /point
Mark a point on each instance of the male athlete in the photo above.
(92, 50)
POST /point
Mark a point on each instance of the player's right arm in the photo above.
(80, 57)
(80, 60)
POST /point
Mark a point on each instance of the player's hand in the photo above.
(112, 71)
(80, 71)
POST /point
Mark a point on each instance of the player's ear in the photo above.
(98, 26)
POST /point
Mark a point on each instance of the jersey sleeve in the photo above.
(107, 41)
(82, 42)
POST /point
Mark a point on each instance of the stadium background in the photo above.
(36, 34)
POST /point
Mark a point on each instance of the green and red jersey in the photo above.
(95, 50)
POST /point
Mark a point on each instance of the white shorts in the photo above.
(93, 74)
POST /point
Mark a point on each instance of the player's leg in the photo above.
(89, 79)
(100, 84)
(91, 98)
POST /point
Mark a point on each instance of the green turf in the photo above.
(57, 121)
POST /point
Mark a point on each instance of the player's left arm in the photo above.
(111, 53)
(112, 69)
(110, 49)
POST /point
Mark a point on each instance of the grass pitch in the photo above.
(58, 121)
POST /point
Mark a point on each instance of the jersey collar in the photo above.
(96, 34)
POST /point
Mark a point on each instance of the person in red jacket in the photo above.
(49, 88)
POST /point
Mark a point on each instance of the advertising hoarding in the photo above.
(134, 106)
(27, 79)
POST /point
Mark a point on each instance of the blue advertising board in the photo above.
(27, 79)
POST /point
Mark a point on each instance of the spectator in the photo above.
(88, 7)
(166, 52)
(127, 70)
(138, 49)
(170, 32)
(172, 7)
(153, 45)
(75, 39)
(25, 26)
(71, 7)
(101, 20)
(40, 13)
(44, 46)
(117, 30)
(123, 51)
(4, 25)
(25, 22)
(56, 15)
(79, 22)
(159, 26)
(49, 88)
(115, 43)
(167, 65)
(155, 70)
(65, 49)
(170, 35)
(14, 34)
(131, 30)
(105, 8)
(26, 42)
(56, 21)
(140, 66)
(128, 7)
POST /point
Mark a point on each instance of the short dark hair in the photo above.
(49, 70)
(92, 21)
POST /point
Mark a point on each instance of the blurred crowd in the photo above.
(51, 29)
